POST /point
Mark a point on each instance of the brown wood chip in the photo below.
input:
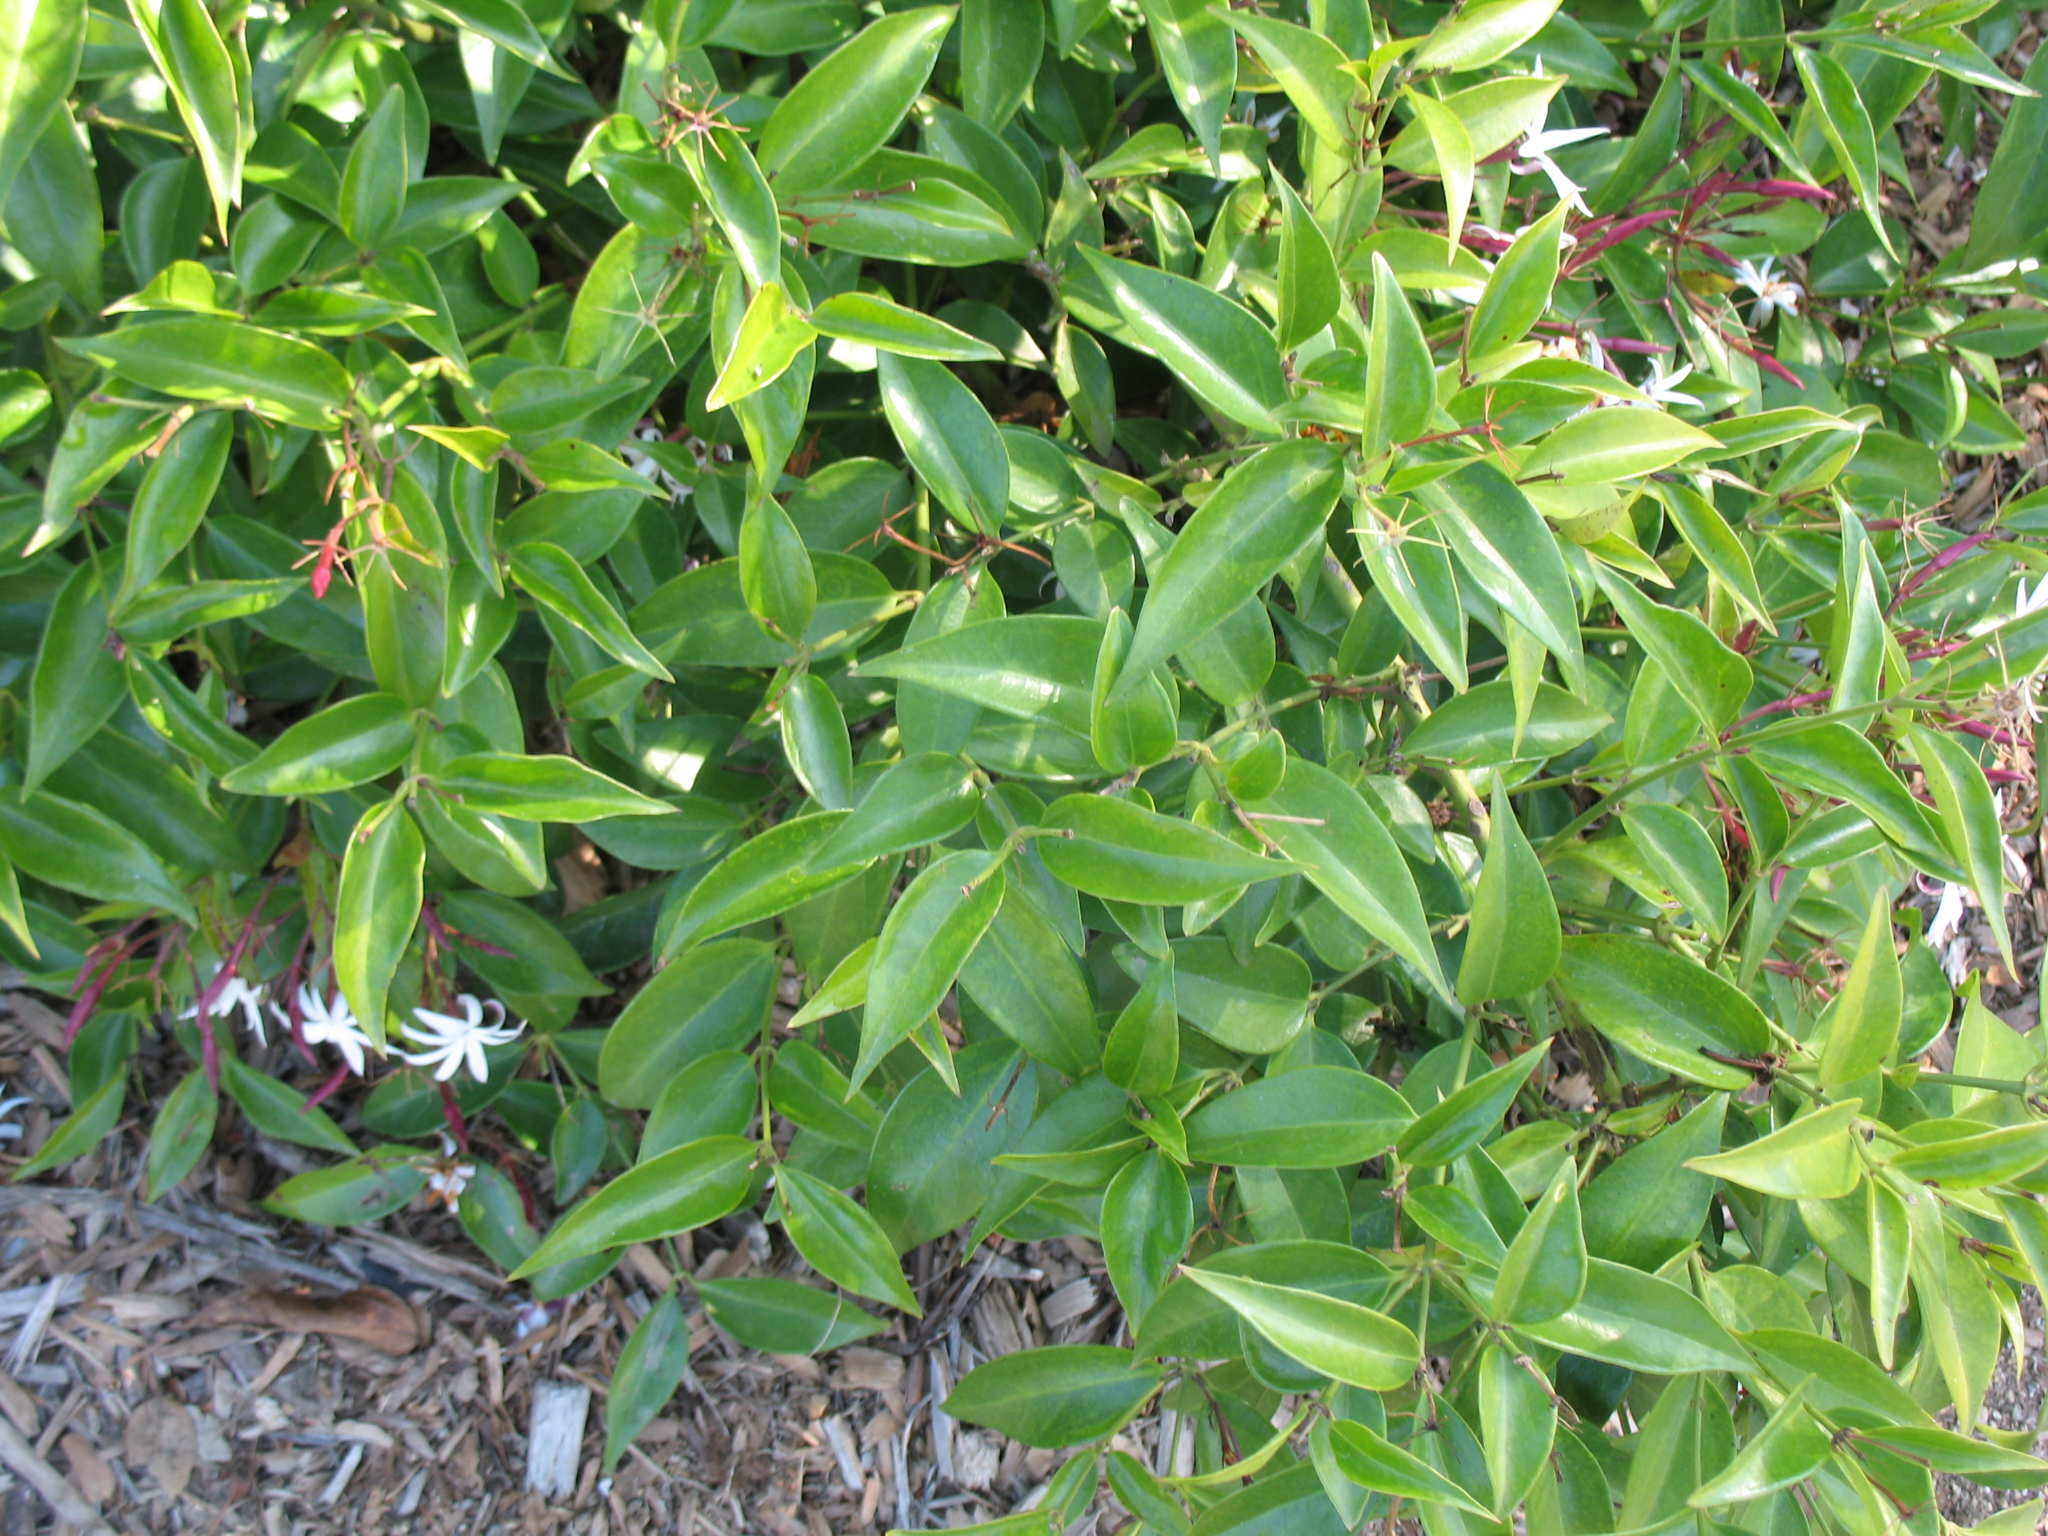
(161, 1439)
(370, 1315)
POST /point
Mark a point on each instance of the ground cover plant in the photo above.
(1344, 648)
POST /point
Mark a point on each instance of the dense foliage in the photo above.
(1318, 642)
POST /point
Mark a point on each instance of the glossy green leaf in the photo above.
(1815, 1157)
(841, 1241)
(1665, 1008)
(783, 1317)
(928, 937)
(1216, 348)
(1119, 850)
(376, 906)
(1512, 945)
(1061, 1395)
(676, 1192)
(852, 102)
(1450, 1129)
(1868, 1009)
(349, 743)
(1544, 1273)
(1400, 378)
(77, 683)
(1336, 1338)
(1313, 1117)
(1969, 815)
(650, 1368)
(538, 788)
(1685, 859)
(217, 360)
(949, 439)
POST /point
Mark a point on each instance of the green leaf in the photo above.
(771, 335)
(1336, 1338)
(208, 359)
(777, 576)
(1310, 69)
(922, 799)
(1254, 1005)
(1544, 1273)
(933, 1165)
(1148, 1217)
(277, 1110)
(1310, 290)
(1518, 1418)
(949, 438)
(539, 788)
(349, 743)
(91, 1121)
(1648, 1206)
(1312, 1117)
(173, 498)
(928, 937)
(1063, 1395)
(1969, 814)
(1831, 759)
(715, 998)
(353, 1193)
(373, 181)
(676, 1192)
(765, 876)
(1614, 444)
(1023, 976)
(878, 321)
(1641, 1323)
(1481, 34)
(1142, 1054)
(41, 42)
(1707, 531)
(650, 1368)
(1455, 1126)
(77, 683)
(2013, 211)
(1869, 1007)
(1374, 1462)
(1685, 859)
(554, 579)
(1119, 850)
(1037, 667)
(1199, 57)
(1512, 945)
(77, 849)
(738, 196)
(841, 1241)
(1847, 125)
(503, 24)
(1518, 292)
(1400, 377)
(204, 81)
(376, 906)
(1813, 1158)
(1787, 1450)
(1227, 360)
(1504, 546)
(1671, 1011)
(1242, 534)
(784, 1318)
(814, 740)
(1454, 157)
(1975, 1160)
(181, 1134)
(1734, 95)
(1001, 42)
(852, 103)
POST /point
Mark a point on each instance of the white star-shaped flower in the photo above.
(1535, 156)
(1772, 291)
(8, 1105)
(449, 1175)
(237, 993)
(2030, 602)
(1663, 388)
(453, 1042)
(329, 1022)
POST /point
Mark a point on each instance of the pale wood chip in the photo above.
(89, 1469)
(160, 1438)
(554, 1438)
